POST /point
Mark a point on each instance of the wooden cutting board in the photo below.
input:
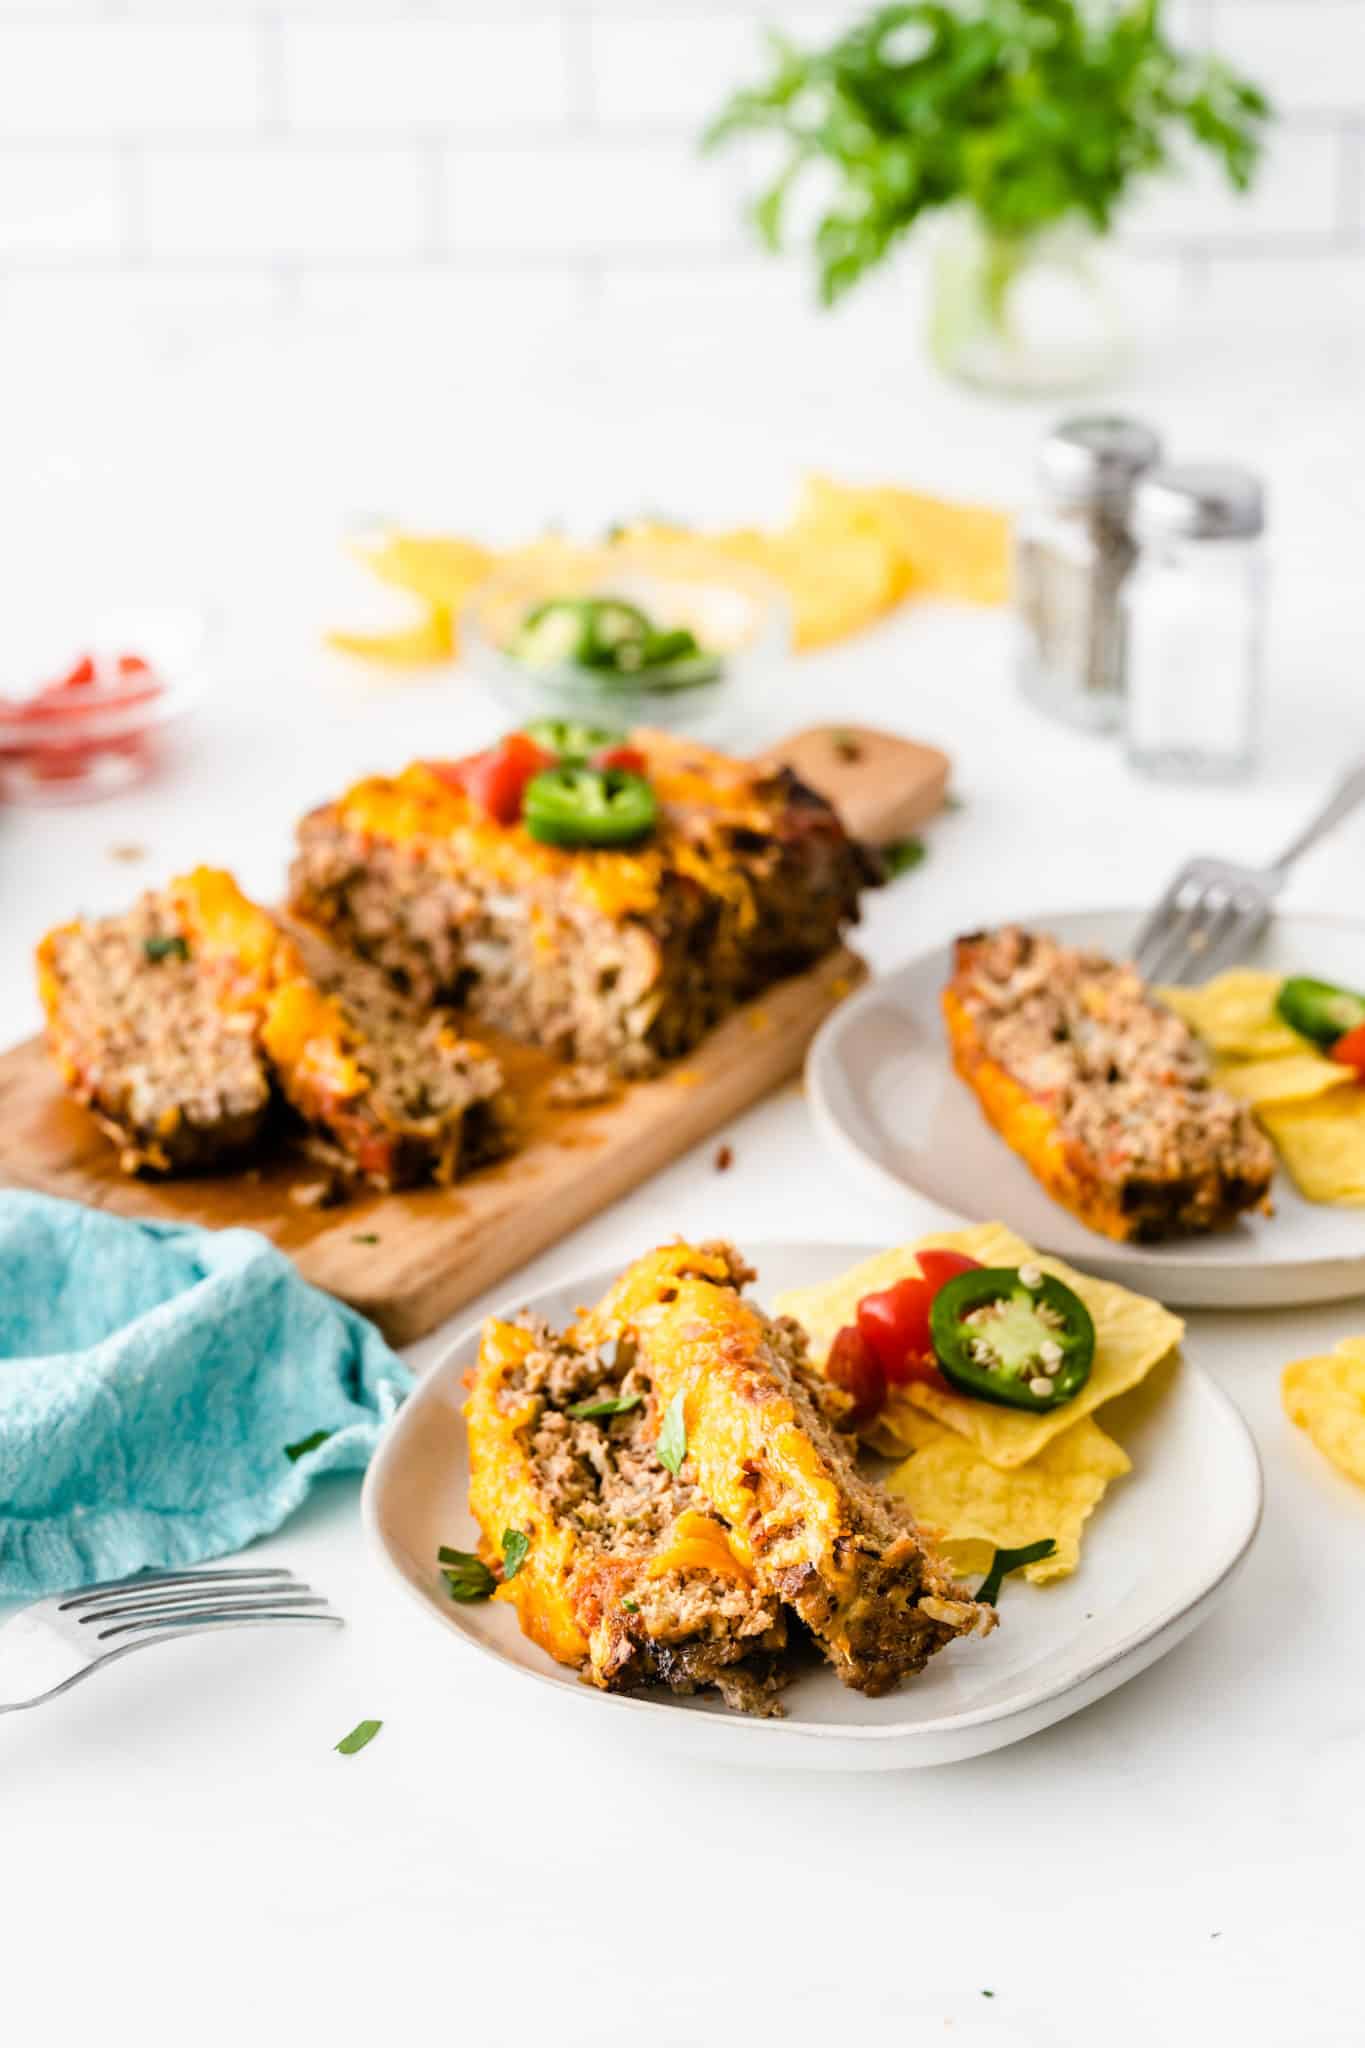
(409, 1260)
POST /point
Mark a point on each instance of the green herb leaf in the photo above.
(631, 1606)
(172, 948)
(467, 1576)
(1006, 1561)
(1025, 114)
(603, 1404)
(515, 1544)
(366, 1237)
(364, 1732)
(306, 1444)
(900, 855)
(672, 1444)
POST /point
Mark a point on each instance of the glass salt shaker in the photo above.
(1194, 614)
(1073, 552)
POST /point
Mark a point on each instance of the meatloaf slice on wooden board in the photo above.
(764, 1452)
(395, 1088)
(628, 1576)
(1106, 1094)
(623, 956)
(157, 1036)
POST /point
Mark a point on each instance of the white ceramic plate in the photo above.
(884, 1096)
(1151, 1570)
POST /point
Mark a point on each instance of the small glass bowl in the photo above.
(78, 748)
(740, 618)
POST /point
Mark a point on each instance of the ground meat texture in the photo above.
(740, 890)
(155, 1041)
(432, 1104)
(765, 1453)
(1126, 1082)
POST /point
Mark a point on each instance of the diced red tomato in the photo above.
(496, 779)
(133, 665)
(629, 758)
(895, 1322)
(78, 677)
(1350, 1050)
(853, 1365)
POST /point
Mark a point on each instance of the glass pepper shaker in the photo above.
(1194, 613)
(1073, 552)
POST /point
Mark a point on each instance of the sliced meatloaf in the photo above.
(622, 956)
(629, 1576)
(1105, 1093)
(157, 1034)
(396, 1089)
(761, 1446)
(176, 1022)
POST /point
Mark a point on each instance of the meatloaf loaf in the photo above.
(157, 1033)
(178, 1021)
(1105, 1093)
(765, 1535)
(625, 956)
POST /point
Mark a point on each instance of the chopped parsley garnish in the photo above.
(515, 1544)
(169, 948)
(364, 1732)
(901, 855)
(467, 1576)
(672, 1446)
(603, 1404)
(631, 1606)
(306, 1444)
(1011, 1561)
(366, 1237)
(845, 744)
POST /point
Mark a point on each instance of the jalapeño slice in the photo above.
(575, 806)
(1013, 1335)
(1318, 1009)
(570, 740)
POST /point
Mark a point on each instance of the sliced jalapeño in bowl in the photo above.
(1013, 1335)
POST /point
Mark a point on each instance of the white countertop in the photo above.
(179, 1840)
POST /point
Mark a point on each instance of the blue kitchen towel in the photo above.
(152, 1376)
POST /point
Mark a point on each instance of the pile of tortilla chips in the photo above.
(848, 556)
(1326, 1396)
(1312, 1108)
(991, 1477)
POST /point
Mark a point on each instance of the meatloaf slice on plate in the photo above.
(628, 1576)
(625, 956)
(1107, 1095)
(395, 1088)
(157, 1033)
(763, 1450)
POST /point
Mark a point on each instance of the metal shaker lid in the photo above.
(1096, 456)
(1199, 500)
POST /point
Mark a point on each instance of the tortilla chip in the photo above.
(940, 549)
(432, 638)
(981, 1509)
(837, 583)
(1235, 1015)
(1132, 1334)
(439, 567)
(1298, 1077)
(1326, 1397)
(1322, 1144)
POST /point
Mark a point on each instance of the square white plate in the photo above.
(884, 1096)
(1163, 1546)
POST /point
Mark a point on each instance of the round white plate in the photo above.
(884, 1095)
(1150, 1571)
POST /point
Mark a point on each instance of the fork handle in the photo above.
(1349, 792)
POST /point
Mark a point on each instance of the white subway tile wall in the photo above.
(305, 145)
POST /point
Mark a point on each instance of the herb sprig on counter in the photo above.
(1026, 111)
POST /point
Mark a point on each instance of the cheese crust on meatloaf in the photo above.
(768, 1523)
(624, 956)
(1101, 1090)
(177, 1022)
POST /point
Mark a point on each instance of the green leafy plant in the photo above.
(1027, 111)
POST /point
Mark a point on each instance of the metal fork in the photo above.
(1216, 909)
(55, 1643)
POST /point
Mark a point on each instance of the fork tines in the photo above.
(166, 1601)
(1212, 912)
